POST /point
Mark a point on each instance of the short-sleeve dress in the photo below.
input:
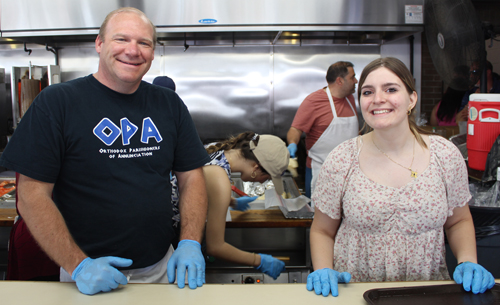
(388, 233)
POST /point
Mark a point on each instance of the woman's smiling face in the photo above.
(385, 100)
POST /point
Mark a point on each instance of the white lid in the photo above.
(485, 97)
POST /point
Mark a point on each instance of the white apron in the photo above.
(339, 130)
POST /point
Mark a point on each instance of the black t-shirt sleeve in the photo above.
(189, 153)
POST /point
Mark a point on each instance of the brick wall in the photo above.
(432, 85)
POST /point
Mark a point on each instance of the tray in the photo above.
(431, 295)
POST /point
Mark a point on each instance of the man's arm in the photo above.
(193, 213)
(46, 223)
(293, 138)
(192, 204)
(293, 135)
(49, 229)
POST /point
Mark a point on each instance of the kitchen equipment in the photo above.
(26, 83)
(483, 127)
(238, 191)
(455, 39)
(436, 295)
(29, 90)
(7, 192)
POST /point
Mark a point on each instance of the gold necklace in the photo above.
(413, 173)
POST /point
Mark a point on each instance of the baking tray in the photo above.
(431, 295)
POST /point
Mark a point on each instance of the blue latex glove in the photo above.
(242, 203)
(473, 275)
(292, 149)
(187, 256)
(325, 280)
(270, 265)
(96, 275)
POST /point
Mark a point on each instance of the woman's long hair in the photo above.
(450, 104)
(397, 67)
(241, 141)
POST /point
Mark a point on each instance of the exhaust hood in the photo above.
(221, 22)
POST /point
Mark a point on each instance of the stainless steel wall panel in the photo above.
(302, 70)
(204, 15)
(227, 89)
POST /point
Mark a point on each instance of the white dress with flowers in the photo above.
(387, 233)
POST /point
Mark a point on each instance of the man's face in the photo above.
(125, 53)
(350, 82)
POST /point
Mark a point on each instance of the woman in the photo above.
(384, 198)
(258, 159)
(444, 113)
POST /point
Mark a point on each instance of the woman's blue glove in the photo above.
(270, 265)
(473, 275)
(187, 256)
(96, 275)
(242, 203)
(325, 280)
(292, 149)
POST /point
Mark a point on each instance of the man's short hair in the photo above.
(102, 29)
(338, 69)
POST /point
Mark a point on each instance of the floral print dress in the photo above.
(387, 233)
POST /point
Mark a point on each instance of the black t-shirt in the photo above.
(109, 155)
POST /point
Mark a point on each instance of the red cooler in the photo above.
(483, 127)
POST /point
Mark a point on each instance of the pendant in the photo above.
(413, 174)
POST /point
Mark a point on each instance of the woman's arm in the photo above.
(322, 239)
(434, 119)
(219, 198)
(462, 239)
(461, 235)
(462, 115)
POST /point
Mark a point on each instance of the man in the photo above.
(492, 86)
(94, 156)
(328, 117)
(164, 81)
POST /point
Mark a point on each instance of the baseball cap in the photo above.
(164, 81)
(273, 156)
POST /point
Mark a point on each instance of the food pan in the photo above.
(431, 295)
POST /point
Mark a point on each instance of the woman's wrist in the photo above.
(466, 259)
(256, 260)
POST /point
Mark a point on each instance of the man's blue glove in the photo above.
(270, 265)
(96, 275)
(187, 256)
(325, 280)
(473, 275)
(292, 149)
(242, 203)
